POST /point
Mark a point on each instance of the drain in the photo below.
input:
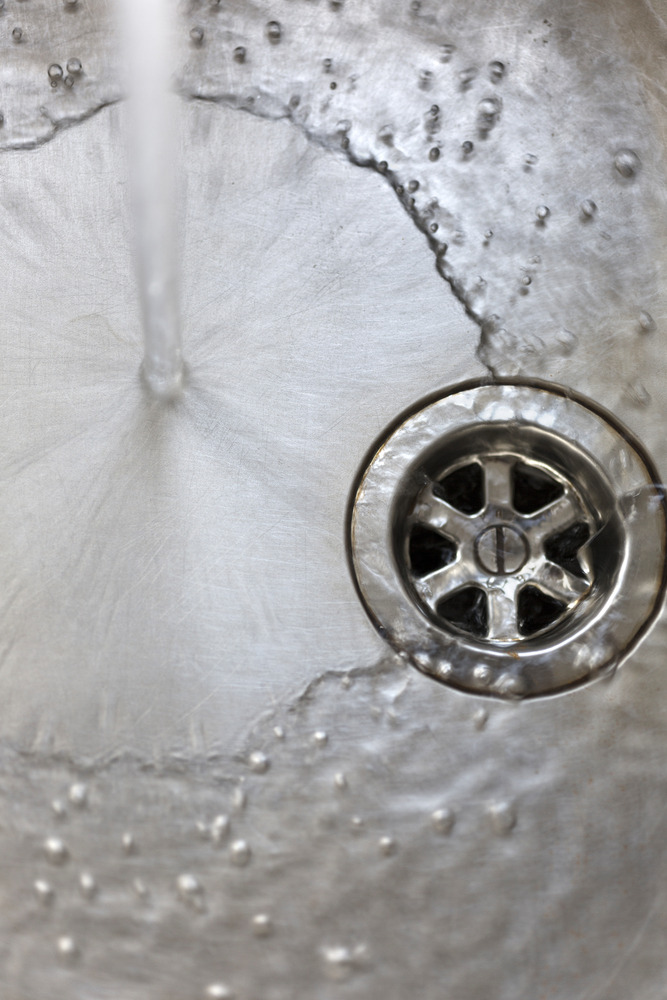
(510, 539)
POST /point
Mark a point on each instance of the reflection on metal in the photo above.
(554, 565)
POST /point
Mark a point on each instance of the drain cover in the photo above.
(510, 539)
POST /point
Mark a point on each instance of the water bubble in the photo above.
(467, 147)
(511, 685)
(444, 667)
(87, 885)
(466, 76)
(279, 732)
(273, 32)
(44, 891)
(190, 889)
(320, 738)
(239, 54)
(17, 34)
(443, 820)
(434, 153)
(435, 110)
(627, 162)
(383, 166)
(387, 846)
(262, 925)
(496, 71)
(197, 35)
(502, 816)
(357, 824)
(59, 810)
(488, 234)
(413, 186)
(67, 949)
(78, 795)
(240, 853)
(239, 799)
(326, 64)
(74, 66)
(535, 260)
(425, 79)
(487, 113)
(294, 101)
(588, 208)
(128, 843)
(55, 850)
(345, 142)
(333, 85)
(218, 991)
(433, 227)
(55, 72)
(646, 323)
(526, 280)
(542, 212)
(340, 781)
(480, 718)
(530, 159)
(446, 52)
(259, 762)
(219, 829)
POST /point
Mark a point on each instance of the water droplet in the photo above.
(480, 718)
(218, 991)
(55, 72)
(443, 820)
(340, 781)
(346, 682)
(197, 35)
(338, 962)
(273, 32)
(59, 810)
(627, 163)
(542, 212)
(466, 76)
(78, 795)
(567, 342)
(320, 738)
(467, 147)
(240, 853)
(487, 113)
(444, 667)
(326, 65)
(502, 816)
(638, 393)
(488, 234)
(530, 159)
(239, 54)
(508, 684)
(87, 885)
(526, 280)
(190, 890)
(481, 675)
(357, 824)
(239, 799)
(382, 166)
(588, 208)
(496, 71)
(140, 888)
(446, 52)
(646, 323)
(219, 829)
(259, 762)
(44, 891)
(55, 850)
(413, 186)
(333, 85)
(387, 846)
(434, 153)
(74, 66)
(17, 34)
(435, 110)
(262, 925)
(67, 949)
(128, 843)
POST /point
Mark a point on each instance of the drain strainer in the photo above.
(510, 539)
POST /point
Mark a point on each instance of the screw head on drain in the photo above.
(483, 538)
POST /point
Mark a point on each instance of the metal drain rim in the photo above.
(605, 638)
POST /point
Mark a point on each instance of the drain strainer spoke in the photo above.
(510, 539)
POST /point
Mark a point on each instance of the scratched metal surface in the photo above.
(216, 778)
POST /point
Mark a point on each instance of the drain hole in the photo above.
(463, 489)
(562, 549)
(536, 610)
(467, 610)
(429, 551)
(533, 489)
